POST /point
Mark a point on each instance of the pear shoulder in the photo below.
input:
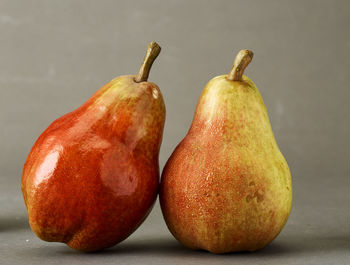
(221, 82)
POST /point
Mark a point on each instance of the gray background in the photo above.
(55, 54)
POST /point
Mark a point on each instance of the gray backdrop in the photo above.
(55, 54)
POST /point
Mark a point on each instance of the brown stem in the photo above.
(152, 52)
(243, 58)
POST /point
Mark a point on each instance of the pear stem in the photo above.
(153, 49)
(243, 58)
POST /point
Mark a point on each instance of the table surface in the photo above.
(313, 235)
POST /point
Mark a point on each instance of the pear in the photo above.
(227, 187)
(92, 176)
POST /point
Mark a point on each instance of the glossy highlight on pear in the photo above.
(226, 186)
(92, 176)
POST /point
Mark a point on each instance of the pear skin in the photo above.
(92, 176)
(227, 187)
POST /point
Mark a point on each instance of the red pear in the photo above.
(227, 187)
(92, 176)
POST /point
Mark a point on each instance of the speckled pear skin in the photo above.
(227, 187)
(92, 176)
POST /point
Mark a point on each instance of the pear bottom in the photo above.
(212, 204)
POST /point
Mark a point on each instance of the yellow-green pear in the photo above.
(227, 187)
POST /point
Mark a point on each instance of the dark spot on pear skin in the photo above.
(258, 195)
(252, 183)
(249, 198)
(206, 194)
